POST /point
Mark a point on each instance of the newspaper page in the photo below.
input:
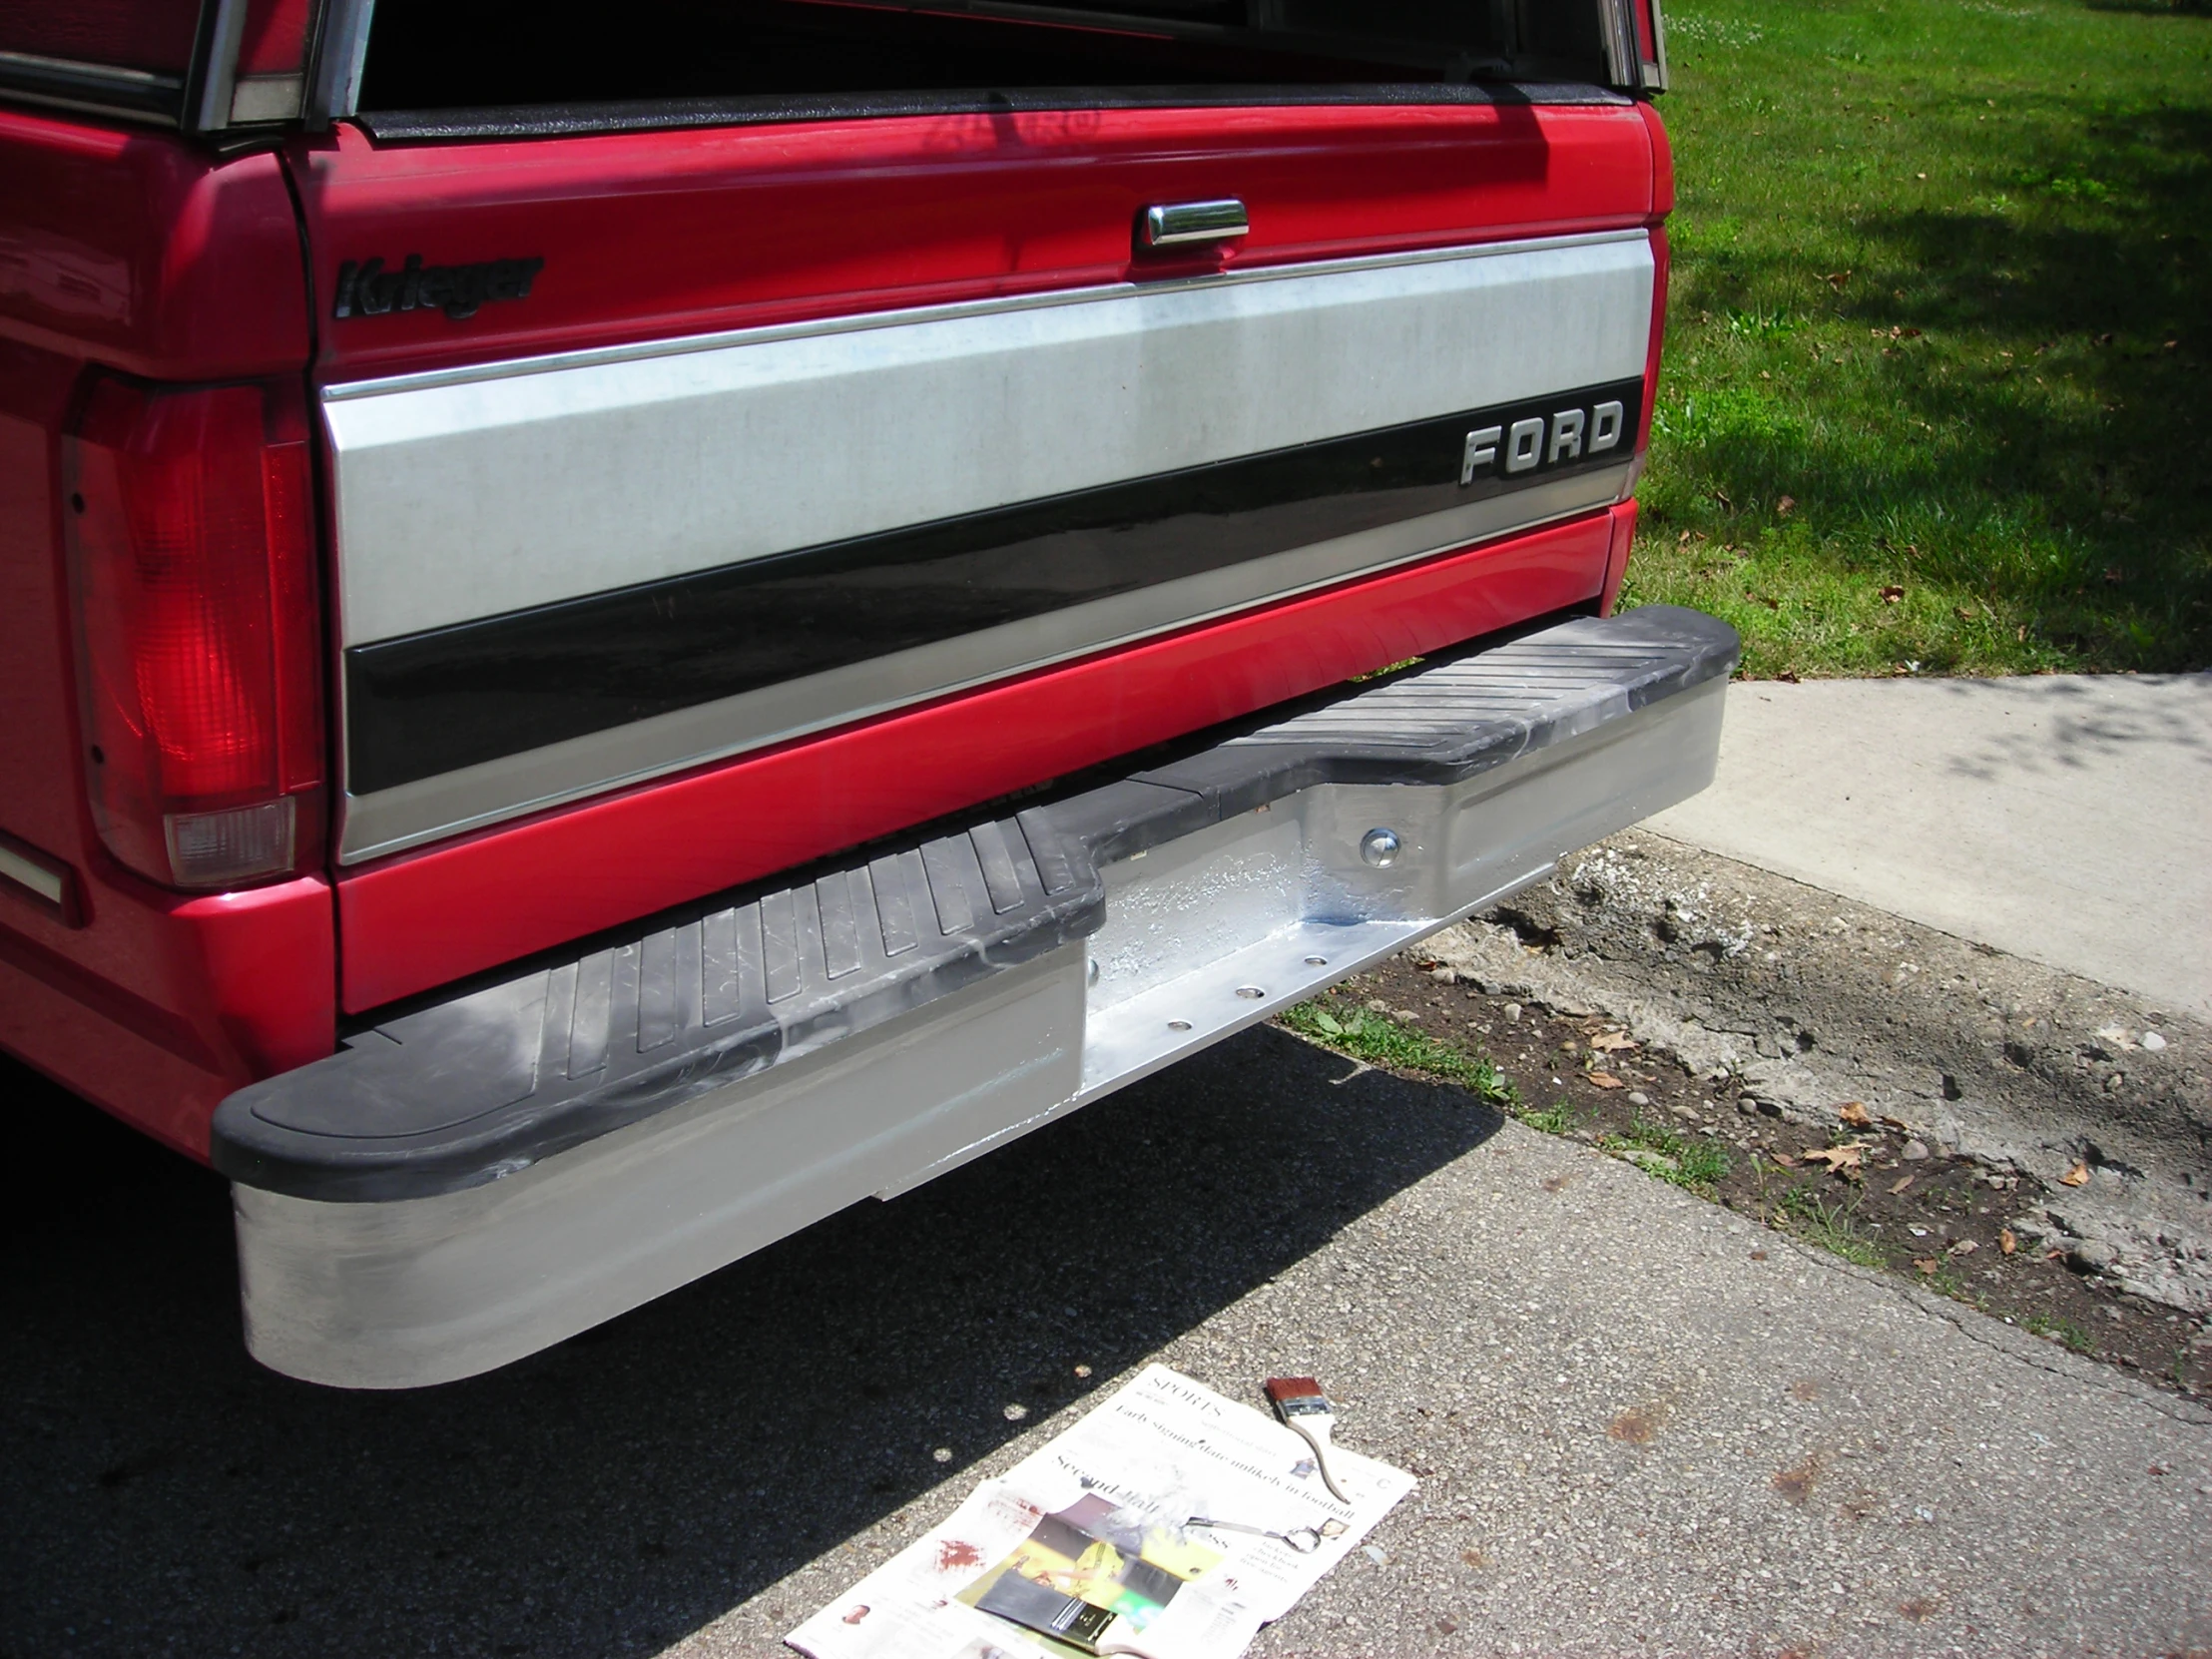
(1170, 1523)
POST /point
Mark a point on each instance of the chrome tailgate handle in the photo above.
(1173, 222)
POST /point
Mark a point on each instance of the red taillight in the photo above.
(198, 654)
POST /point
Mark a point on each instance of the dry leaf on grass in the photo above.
(1927, 1264)
(1841, 1160)
(2078, 1176)
(1605, 1080)
(1854, 1114)
(1891, 594)
(1783, 507)
(2006, 1242)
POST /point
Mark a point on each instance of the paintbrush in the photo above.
(1299, 1401)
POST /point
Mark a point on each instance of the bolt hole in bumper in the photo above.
(476, 1179)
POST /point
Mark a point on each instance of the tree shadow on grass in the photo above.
(2086, 511)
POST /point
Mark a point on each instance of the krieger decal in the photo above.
(368, 289)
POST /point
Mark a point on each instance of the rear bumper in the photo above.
(476, 1180)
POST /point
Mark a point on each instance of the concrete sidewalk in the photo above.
(2063, 818)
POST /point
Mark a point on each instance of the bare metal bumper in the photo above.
(476, 1180)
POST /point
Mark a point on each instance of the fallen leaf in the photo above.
(1962, 613)
(1783, 507)
(1893, 1122)
(1892, 594)
(1854, 1114)
(2078, 1176)
(1927, 1265)
(1605, 1080)
(1721, 497)
(1900, 1183)
(1787, 678)
(1784, 1159)
(1965, 1247)
(1612, 1040)
(1837, 278)
(1841, 1160)
(1911, 333)
(2006, 1242)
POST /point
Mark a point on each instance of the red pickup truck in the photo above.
(615, 638)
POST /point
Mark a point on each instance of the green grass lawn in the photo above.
(1935, 397)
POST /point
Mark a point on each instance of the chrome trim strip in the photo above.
(211, 111)
(50, 886)
(394, 819)
(470, 500)
(341, 53)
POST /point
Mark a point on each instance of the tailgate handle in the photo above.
(1173, 222)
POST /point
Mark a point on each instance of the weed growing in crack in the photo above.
(1831, 1224)
(1382, 1041)
(2061, 1331)
(1695, 1165)
(1555, 1119)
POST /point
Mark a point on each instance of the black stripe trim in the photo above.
(97, 88)
(429, 702)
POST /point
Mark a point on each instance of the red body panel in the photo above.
(135, 251)
(425, 917)
(132, 250)
(660, 234)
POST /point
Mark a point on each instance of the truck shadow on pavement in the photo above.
(163, 1494)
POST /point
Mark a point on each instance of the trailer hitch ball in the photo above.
(1378, 846)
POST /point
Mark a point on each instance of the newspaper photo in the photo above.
(1170, 1523)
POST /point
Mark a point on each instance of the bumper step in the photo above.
(1117, 929)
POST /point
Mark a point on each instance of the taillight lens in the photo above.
(193, 554)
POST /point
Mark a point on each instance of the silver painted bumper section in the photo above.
(385, 1241)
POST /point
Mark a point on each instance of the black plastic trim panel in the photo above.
(462, 1092)
(430, 703)
(95, 88)
(661, 114)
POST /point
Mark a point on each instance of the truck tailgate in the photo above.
(761, 431)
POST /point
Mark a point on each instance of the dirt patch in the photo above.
(1803, 1000)
(1871, 1192)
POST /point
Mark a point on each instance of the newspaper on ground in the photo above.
(1170, 1523)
